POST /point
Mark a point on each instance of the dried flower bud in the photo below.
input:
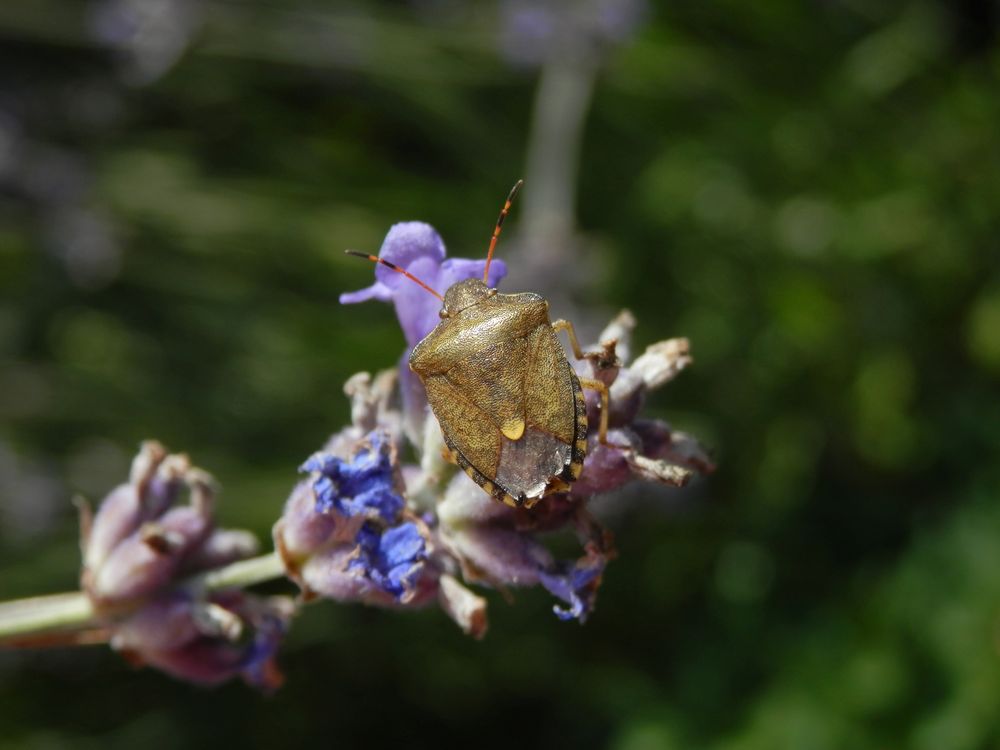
(148, 559)
(153, 486)
(662, 362)
(137, 549)
(231, 634)
(138, 542)
(464, 607)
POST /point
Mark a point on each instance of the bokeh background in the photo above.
(810, 191)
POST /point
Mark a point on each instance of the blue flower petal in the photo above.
(258, 667)
(361, 486)
(381, 501)
(392, 558)
(321, 462)
(401, 544)
(576, 584)
(390, 551)
(325, 491)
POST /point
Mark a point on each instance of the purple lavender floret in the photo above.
(417, 247)
(576, 584)
(357, 543)
(355, 534)
(361, 486)
(505, 552)
(390, 558)
(141, 539)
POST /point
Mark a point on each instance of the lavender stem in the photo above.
(73, 610)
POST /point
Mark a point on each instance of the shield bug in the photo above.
(510, 405)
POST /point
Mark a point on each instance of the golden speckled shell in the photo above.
(509, 404)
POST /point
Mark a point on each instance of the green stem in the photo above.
(242, 574)
(41, 614)
(73, 611)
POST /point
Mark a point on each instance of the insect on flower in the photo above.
(510, 405)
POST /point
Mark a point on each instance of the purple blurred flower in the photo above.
(526, 31)
(137, 551)
(533, 31)
(149, 35)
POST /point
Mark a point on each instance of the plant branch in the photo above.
(73, 611)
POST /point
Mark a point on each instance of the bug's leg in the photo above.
(594, 385)
(449, 455)
(557, 485)
(565, 325)
(601, 388)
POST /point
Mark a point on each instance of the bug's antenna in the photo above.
(394, 267)
(496, 230)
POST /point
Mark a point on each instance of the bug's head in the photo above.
(465, 294)
(473, 291)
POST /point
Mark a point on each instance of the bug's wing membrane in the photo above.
(549, 396)
(545, 450)
(493, 380)
(467, 427)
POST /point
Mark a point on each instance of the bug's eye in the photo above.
(443, 313)
(491, 292)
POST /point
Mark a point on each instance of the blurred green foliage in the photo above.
(809, 191)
